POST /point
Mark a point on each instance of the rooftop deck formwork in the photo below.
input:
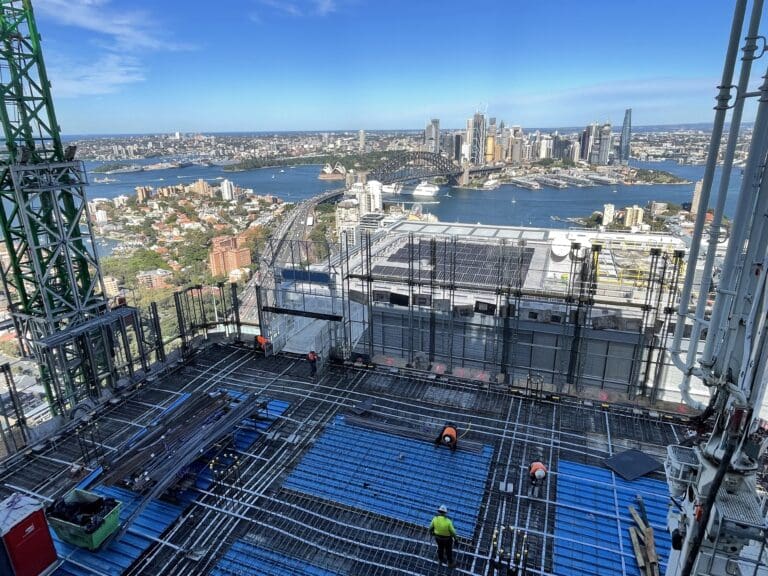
(261, 515)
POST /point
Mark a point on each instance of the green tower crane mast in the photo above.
(50, 268)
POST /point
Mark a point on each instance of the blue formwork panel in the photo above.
(245, 558)
(398, 477)
(592, 521)
(118, 555)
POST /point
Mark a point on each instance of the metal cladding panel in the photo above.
(393, 476)
(246, 558)
(593, 520)
(117, 556)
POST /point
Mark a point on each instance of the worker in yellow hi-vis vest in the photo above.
(442, 529)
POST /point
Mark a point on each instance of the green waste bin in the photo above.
(74, 521)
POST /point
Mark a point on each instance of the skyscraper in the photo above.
(696, 198)
(432, 136)
(361, 142)
(626, 136)
(606, 143)
(458, 141)
(588, 139)
(490, 141)
(476, 139)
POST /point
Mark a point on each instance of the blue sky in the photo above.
(121, 66)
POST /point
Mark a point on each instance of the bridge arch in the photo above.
(406, 166)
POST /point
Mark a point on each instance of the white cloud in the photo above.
(661, 97)
(324, 7)
(116, 39)
(134, 30)
(299, 8)
(280, 6)
(106, 75)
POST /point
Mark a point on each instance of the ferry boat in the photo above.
(426, 189)
(395, 188)
(525, 183)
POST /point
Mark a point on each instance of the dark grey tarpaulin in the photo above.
(632, 464)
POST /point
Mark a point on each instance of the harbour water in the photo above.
(292, 184)
(509, 205)
(505, 205)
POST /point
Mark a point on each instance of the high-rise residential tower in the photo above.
(432, 136)
(626, 136)
(606, 143)
(361, 141)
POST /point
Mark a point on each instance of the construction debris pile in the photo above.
(84, 512)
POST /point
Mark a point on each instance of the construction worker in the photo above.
(538, 473)
(442, 529)
(262, 342)
(312, 359)
(449, 437)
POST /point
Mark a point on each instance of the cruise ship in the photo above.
(426, 189)
(194, 437)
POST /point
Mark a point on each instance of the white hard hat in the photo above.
(447, 439)
(443, 508)
(540, 474)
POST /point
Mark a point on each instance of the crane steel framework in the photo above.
(50, 270)
(719, 511)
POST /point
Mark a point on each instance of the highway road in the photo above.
(278, 251)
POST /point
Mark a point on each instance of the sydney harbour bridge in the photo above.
(407, 166)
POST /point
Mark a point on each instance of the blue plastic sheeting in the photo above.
(588, 539)
(88, 480)
(118, 555)
(402, 478)
(299, 275)
(245, 558)
(135, 438)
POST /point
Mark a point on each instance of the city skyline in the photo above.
(344, 65)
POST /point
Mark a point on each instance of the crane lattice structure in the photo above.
(50, 268)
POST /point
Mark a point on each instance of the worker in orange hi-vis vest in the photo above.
(538, 473)
(312, 359)
(262, 342)
(448, 437)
